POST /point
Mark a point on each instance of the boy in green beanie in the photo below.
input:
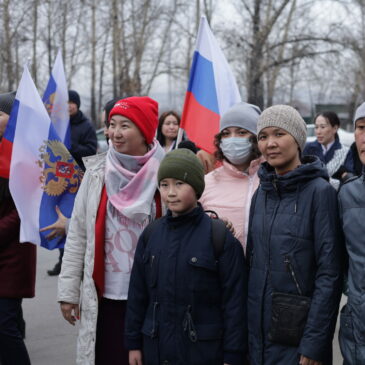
(186, 301)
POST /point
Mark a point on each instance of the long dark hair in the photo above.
(160, 137)
(255, 152)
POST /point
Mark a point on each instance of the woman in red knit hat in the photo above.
(116, 200)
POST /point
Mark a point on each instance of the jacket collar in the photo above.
(96, 162)
(233, 171)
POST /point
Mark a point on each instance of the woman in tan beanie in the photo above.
(293, 249)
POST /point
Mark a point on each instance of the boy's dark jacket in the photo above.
(184, 307)
(294, 219)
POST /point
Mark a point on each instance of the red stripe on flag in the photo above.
(200, 123)
(6, 149)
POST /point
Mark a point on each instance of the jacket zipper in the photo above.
(290, 269)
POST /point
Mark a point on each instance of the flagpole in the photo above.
(180, 134)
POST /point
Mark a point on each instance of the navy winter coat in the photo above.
(294, 219)
(83, 138)
(352, 319)
(184, 307)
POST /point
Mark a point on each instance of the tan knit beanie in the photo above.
(287, 118)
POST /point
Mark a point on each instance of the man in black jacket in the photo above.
(83, 143)
(83, 136)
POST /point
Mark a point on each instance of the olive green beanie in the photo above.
(182, 164)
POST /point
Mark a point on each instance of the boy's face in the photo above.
(360, 138)
(178, 196)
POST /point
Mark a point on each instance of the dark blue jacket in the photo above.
(352, 319)
(83, 138)
(184, 306)
(294, 218)
(315, 149)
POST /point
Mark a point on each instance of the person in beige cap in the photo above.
(293, 249)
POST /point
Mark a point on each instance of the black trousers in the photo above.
(109, 347)
(12, 347)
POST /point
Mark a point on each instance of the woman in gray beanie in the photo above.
(293, 249)
(229, 188)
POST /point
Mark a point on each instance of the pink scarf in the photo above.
(131, 181)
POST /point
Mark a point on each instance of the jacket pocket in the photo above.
(346, 336)
(208, 349)
(151, 262)
(204, 273)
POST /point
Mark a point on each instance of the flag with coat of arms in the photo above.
(43, 174)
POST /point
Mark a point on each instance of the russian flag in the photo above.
(6, 144)
(43, 174)
(55, 99)
(212, 90)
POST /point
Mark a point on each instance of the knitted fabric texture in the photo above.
(182, 164)
(360, 113)
(142, 111)
(6, 102)
(287, 118)
(241, 115)
(74, 97)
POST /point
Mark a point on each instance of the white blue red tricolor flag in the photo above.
(212, 90)
(55, 99)
(43, 174)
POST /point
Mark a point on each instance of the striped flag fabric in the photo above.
(43, 174)
(212, 90)
(55, 99)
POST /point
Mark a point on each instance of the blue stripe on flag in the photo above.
(202, 84)
(50, 90)
(11, 126)
(64, 201)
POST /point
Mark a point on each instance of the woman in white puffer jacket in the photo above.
(116, 200)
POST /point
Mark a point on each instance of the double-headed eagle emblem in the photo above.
(60, 171)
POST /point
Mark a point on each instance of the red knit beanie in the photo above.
(142, 111)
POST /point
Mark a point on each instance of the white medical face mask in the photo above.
(236, 149)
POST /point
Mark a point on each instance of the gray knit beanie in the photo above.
(6, 102)
(182, 164)
(287, 118)
(360, 113)
(241, 115)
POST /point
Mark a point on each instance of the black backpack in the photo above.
(218, 234)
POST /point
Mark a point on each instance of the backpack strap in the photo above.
(218, 236)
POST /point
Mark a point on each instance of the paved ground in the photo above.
(49, 338)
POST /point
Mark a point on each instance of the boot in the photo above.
(56, 270)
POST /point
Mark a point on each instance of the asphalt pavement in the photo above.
(49, 338)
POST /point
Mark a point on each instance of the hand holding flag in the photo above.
(43, 174)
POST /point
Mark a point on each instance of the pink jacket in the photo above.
(228, 192)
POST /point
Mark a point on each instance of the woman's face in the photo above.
(236, 132)
(4, 118)
(325, 133)
(170, 127)
(126, 137)
(279, 149)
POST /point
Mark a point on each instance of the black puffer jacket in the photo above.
(294, 218)
(83, 138)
